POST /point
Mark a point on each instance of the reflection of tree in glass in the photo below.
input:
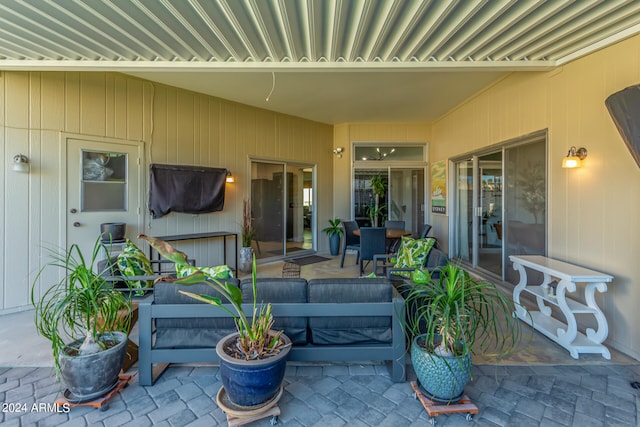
(531, 183)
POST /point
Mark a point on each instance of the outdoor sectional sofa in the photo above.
(339, 319)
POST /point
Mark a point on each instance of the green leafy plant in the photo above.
(379, 188)
(248, 232)
(334, 228)
(459, 311)
(80, 306)
(256, 339)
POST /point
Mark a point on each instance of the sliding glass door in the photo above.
(500, 205)
(282, 204)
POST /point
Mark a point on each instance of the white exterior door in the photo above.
(104, 185)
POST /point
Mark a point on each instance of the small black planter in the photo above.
(113, 231)
(252, 382)
(94, 375)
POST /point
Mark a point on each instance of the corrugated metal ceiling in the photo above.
(332, 61)
(297, 33)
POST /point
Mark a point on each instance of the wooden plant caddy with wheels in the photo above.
(101, 402)
(241, 415)
(434, 409)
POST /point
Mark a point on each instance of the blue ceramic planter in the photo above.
(251, 383)
(334, 244)
(444, 378)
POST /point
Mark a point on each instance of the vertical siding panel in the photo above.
(17, 87)
(110, 105)
(53, 95)
(134, 110)
(120, 101)
(92, 104)
(72, 102)
(35, 206)
(184, 138)
(16, 246)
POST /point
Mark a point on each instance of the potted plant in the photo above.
(248, 234)
(334, 231)
(85, 319)
(379, 188)
(253, 359)
(449, 313)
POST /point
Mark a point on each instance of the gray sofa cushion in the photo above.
(348, 330)
(194, 332)
(281, 290)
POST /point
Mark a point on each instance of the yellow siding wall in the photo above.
(593, 211)
(176, 126)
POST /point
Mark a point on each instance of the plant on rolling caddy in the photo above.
(84, 309)
(253, 359)
(448, 312)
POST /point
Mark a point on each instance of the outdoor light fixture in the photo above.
(230, 178)
(338, 152)
(574, 157)
(20, 163)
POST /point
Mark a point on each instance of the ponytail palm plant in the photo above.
(450, 315)
(458, 313)
(81, 305)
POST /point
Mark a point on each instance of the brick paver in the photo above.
(340, 395)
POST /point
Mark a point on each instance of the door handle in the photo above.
(76, 224)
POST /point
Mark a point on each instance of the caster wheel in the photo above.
(469, 417)
(415, 396)
(432, 421)
(274, 421)
(104, 408)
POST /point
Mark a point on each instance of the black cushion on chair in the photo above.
(190, 332)
(281, 290)
(356, 329)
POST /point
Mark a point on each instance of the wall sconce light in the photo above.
(574, 157)
(20, 163)
(338, 152)
(230, 179)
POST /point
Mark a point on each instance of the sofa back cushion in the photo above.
(281, 290)
(190, 332)
(354, 329)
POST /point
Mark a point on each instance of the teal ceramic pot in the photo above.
(443, 378)
(334, 244)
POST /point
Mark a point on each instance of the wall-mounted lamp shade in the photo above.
(574, 158)
(20, 163)
(338, 151)
(230, 178)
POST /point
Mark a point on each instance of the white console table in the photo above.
(567, 275)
